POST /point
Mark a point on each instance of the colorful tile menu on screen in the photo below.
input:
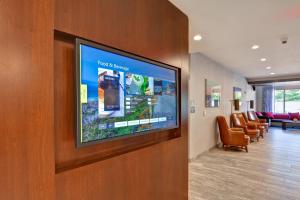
(122, 96)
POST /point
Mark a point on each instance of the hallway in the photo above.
(270, 171)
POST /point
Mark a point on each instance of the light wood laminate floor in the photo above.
(270, 171)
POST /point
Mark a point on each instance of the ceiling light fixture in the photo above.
(272, 73)
(197, 37)
(263, 59)
(268, 67)
(255, 47)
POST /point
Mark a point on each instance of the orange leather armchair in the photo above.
(251, 130)
(261, 122)
(232, 136)
(262, 129)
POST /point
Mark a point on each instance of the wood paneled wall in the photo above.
(154, 29)
(26, 102)
(38, 155)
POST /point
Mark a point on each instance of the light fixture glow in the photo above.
(255, 47)
(263, 59)
(268, 67)
(197, 37)
(272, 73)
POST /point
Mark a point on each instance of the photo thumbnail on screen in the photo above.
(110, 93)
(139, 85)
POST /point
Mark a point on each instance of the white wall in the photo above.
(259, 94)
(203, 133)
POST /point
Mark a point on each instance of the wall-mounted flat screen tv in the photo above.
(122, 95)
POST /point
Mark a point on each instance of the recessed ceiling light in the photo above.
(268, 67)
(272, 73)
(197, 37)
(263, 59)
(255, 47)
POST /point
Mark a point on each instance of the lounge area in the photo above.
(269, 171)
(256, 156)
(257, 149)
(279, 103)
(282, 119)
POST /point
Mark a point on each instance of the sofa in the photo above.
(276, 118)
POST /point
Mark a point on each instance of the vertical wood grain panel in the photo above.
(154, 29)
(26, 103)
(148, 28)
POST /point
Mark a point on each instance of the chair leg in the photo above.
(246, 148)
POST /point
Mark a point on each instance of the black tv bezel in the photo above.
(80, 41)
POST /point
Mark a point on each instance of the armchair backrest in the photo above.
(238, 120)
(242, 119)
(223, 127)
(252, 116)
(245, 117)
(235, 120)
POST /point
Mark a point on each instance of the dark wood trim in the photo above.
(139, 143)
(103, 150)
(275, 80)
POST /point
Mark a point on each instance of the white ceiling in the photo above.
(230, 27)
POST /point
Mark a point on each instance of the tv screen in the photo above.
(120, 94)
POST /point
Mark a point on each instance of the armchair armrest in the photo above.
(252, 125)
(262, 120)
(237, 135)
(237, 129)
(239, 126)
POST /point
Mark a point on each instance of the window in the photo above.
(287, 101)
(292, 101)
(279, 101)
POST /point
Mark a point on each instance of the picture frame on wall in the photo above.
(237, 93)
(212, 94)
